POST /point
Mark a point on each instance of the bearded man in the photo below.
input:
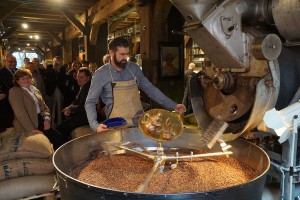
(117, 83)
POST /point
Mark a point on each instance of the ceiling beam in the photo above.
(123, 22)
(106, 11)
(40, 49)
(39, 11)
(11, 42)
(8, 33)
(56, 37)
(36, 21)
(39, 17)
(114, 26)
(7, 10)
(73, 20)
(94, 34)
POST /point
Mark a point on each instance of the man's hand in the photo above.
(2, 96)
(180, 108)
(46, 124)
(102, 128)
(66, 111)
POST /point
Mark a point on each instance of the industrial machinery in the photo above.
(85, 148)
(254, 48)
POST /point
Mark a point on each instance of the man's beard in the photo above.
(120, 64)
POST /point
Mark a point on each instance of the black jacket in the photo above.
(77, 105)
(6, 112)
(55, 79)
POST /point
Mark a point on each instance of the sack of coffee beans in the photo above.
(25, 167)
(24, 145)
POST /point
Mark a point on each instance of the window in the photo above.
(21, 55)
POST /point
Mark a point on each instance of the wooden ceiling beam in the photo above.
(45, 12)
(73, 20)
(8, 10)
(55, 36)
(8, 33)
(114, 26)
(39, 17)
(40, 49)
(19, 20)
(36, 26)
(10, 43)
(94, 34)
(109, 9)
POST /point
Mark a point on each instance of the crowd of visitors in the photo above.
(48, 99)
(56, 99)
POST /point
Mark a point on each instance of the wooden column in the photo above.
(87, 46)
(153, 31)
(67, 51)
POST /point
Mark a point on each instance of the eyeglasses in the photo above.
(11, 61)
(25, 78)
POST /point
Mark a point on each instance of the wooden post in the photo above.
(87, 38)
(153, 31)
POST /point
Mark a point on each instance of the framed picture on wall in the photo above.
(170, 59)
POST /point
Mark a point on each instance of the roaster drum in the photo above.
(79, 150)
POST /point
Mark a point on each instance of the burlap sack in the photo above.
(81, 131)
(22, 187)
(25, 167)
(24, 145)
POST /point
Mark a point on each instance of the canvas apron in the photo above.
(126, 101)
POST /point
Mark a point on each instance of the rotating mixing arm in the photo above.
(120, 148)
(146, 182)
(198, 155)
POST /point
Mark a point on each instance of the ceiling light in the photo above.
(30, 36)
(36, 37)
(24, 25)
(28, 44)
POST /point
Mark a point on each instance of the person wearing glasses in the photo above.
(6, 82)
(31, 112)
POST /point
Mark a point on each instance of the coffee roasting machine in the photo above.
(254, 46)
(253, 85)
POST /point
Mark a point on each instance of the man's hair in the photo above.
(192, 65)
(132, 59)
(86, 70)
(57, 58)
(105, 57)
(117, 42)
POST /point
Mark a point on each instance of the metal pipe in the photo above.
(198, 155)
(282, 170)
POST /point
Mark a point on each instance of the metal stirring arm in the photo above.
(146, 182)
(137, 152)
(198, 155)
(120, 148)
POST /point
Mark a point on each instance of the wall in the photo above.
(174, 87)
(100, 49)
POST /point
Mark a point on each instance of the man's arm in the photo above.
(92, 99)
(153, 92)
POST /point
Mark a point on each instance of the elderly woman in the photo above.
(31, 112)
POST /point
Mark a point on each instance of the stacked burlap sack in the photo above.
(26, 167)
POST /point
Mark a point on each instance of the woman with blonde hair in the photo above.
(31, 112)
